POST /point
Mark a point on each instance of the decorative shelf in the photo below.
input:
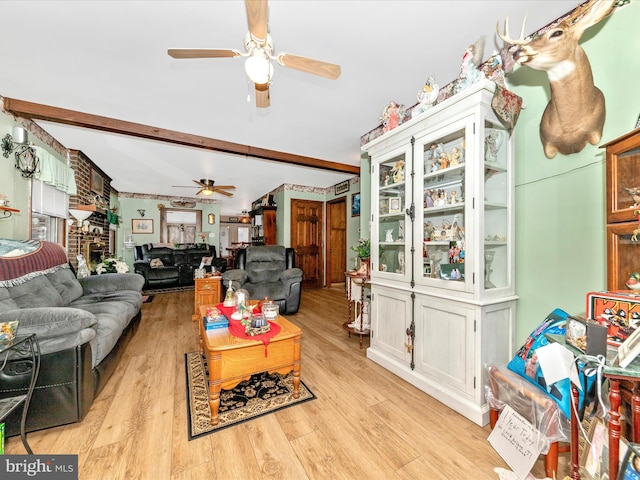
(7, 212)
(91, 208)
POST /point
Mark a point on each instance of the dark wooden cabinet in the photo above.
(623, 209)
(263, 226)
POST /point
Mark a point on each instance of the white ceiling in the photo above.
(109, 58)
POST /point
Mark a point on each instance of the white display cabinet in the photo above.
(442, 245)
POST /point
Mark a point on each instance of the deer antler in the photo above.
(506, 37)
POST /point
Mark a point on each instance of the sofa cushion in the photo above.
(6, 302)
(67, 284)
(37, 292)
(50, 322)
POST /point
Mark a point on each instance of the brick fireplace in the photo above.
(92, 184)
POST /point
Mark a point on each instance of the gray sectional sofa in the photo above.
(83, 326)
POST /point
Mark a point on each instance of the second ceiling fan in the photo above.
(259, 52)
(207, 187)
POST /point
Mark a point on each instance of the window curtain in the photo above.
(55, 172)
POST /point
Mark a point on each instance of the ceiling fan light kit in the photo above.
(258, 67)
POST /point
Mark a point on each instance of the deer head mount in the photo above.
(575, 113)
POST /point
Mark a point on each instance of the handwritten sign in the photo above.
(517, 441)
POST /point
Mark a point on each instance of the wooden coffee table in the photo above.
(232, 360)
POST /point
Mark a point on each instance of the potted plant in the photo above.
(363, 249)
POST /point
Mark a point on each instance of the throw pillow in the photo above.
(156, 262)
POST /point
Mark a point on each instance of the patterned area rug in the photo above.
(155, 291)
(260, 395)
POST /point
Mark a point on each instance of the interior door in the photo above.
(306, 239)
(336, 240)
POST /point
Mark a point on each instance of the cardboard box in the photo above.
(588, 336)
(619, 311)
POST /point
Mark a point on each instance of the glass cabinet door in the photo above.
(496, 212)
(390, 236)
(443, 208)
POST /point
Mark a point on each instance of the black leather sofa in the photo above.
(178, 263)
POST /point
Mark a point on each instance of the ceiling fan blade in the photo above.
(257, 11)
(224, 187)
(308, 65)
(228, 194)
(263, 97)
(202, 53)
(199, 191)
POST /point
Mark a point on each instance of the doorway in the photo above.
(306, 239)
(336, 245)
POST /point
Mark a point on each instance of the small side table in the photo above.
(357, 304)
(24, 345)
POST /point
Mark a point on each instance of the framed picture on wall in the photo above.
(141, 225)
(96, 182)
(342, 187)
(355, 205)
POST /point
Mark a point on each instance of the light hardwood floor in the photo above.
(366, 423)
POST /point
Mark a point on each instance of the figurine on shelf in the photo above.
(635, 195)
(455, 157)
(493, 70)
(397, 172)
(453, 197)
(469, 72)
(492, 142)
(441, 199)
(444, 160)
(392, 116)
(428, 198)
(389, 235)
(426, 97)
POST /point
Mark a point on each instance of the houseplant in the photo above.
(363, 249)
(111, 265)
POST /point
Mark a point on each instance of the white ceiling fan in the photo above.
(259, 48)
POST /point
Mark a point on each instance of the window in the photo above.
(49, 209)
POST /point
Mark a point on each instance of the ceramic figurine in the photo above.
(389, 235)
(397, 172)
(493, 70)
(492, 142)
(426, 97)
(455, 157)
(83, 269)
(392, 116)
(469, 72)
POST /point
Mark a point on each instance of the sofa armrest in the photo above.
(48, 322)
(291, 276)
(237, 276)
(112, 282)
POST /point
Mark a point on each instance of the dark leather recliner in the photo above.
(268, 271)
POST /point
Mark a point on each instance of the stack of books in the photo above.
(216, 321)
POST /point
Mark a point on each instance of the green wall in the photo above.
(15, 188)
(560, 203)
(129, 210)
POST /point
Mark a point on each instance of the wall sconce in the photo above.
(141, 212)
(212, 218)
(26, 159)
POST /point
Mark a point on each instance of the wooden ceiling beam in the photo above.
(37, 111)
